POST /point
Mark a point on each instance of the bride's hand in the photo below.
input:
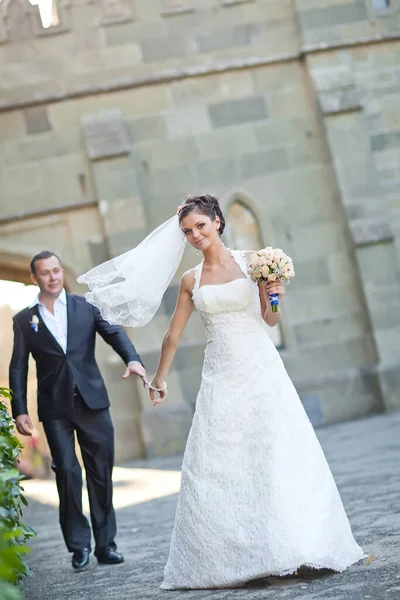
(157, 397)
(272, 287)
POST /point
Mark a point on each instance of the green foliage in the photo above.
(13, 533)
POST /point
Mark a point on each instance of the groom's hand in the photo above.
(136, 368)
(24, 424)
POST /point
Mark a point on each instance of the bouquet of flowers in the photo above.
(271, 264)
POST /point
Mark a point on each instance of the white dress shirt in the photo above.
(57, 323)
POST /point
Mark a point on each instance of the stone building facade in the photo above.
(287, 110)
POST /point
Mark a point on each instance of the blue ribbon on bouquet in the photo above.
(274, 300)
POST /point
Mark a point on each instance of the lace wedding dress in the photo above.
(257, 496)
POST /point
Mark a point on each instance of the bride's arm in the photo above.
(183, 310)
(264, 289)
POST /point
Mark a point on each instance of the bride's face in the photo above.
(200, 231)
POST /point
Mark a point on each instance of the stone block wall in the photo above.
(113, 44)
(291, 107)
(346, 22)
(365, 148)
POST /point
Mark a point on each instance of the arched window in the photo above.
(243, 232)
(48, 12)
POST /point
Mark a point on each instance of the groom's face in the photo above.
(49, 276)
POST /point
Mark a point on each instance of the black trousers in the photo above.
(95, 434)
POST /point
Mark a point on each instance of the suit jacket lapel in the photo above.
(44, 329)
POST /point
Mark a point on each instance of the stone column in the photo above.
(367, 215)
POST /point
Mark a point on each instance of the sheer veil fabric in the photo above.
(128, 289)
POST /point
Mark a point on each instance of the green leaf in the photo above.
(5, 392)
(8, 592)
(13, 533)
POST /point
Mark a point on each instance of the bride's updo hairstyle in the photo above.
(204, 205)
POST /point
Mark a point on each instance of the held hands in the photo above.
(24, 424)
(155, 396)
(136, 368)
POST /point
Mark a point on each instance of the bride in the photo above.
(257, 496)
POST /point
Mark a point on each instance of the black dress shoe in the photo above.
(80, 559)
(109, 556)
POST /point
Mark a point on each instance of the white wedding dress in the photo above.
(257, 496)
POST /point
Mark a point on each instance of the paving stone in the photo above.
(363, 456)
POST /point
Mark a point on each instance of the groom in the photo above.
(59, 330)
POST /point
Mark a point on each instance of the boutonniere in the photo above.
(35, 323)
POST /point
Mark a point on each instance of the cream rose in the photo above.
(265, 271)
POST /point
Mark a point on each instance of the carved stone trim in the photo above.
(116, 11)
(183, 72)
(351, 42)
(28, 23)
(177, 7)
(105, 134)
(162, 76)
(340, 100)
(370, 231)
(232, 2)
(64, 23)
(21, 216)
(16, 20)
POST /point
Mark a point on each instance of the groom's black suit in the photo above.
(72, 397)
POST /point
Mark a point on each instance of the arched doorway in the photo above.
(17, 292)
(243, 232)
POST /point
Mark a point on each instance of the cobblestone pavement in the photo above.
(365, 459)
